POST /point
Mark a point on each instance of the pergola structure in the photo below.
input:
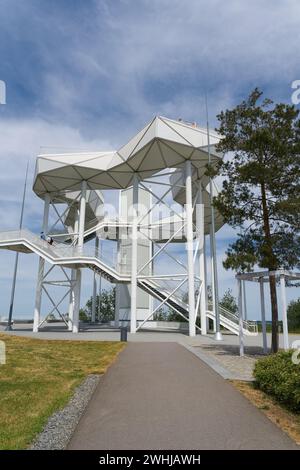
(167, 159)
(263, 277)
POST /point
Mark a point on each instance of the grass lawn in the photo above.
(288, 421)
(39, 377)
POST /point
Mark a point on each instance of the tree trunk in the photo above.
(272, 267)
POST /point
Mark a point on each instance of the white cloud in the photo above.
(122, 63)
(94, 76)
(23, 140)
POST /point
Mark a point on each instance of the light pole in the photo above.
(13, 287)
(218, 335)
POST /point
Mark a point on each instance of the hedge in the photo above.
(278, 376)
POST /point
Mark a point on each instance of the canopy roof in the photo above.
(163, 143)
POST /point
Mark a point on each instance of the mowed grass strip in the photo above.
(286, 420)
(39, 377)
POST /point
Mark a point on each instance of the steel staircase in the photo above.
(74, 257)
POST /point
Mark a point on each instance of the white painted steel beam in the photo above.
(82, 214)
(190, 246)
(134, 247)
(77, 289)
(38, 295)
(200, 231)
(94, 299)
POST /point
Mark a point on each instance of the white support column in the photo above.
(77, 286)
(82, 214)
(73, 276)
(117, 306)
(200, 230)
(94, 299)
(77, 289)
(218, 335)
(240, 306)
(134, 245)
(71, 300)
(190, 246)
(212, 280)
(284, 314)
(117, 286)
(100, 297)
(205, 277)
(263, 315)
(245, 300)
(38, 296)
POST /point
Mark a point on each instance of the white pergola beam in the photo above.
(284, 314)
(263, 316)
(240, 307)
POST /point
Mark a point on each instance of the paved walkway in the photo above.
(160, 396)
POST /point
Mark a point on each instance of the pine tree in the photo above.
(228, 301)
(261, 189)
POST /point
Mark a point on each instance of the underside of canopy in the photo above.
(162, 144)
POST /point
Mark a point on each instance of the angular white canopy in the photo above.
(163, 143)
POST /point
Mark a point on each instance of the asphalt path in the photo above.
(161, 396)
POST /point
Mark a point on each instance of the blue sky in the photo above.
(89, 75)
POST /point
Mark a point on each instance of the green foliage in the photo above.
(228, 301)
(278, 376)
(174, 316)
(167, 314)
(161, 314)
(293, 314)
(83, 315)
(269, 327)
(105, 307)
(261, 187)
(261, 190)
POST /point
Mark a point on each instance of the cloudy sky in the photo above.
(89, 75)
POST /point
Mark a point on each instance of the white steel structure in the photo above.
(263, 277)
(161, 171)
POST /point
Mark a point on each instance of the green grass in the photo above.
(39, 377)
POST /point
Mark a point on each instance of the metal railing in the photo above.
(62, 250)
(114, 261)
(248, 325)
(165, 287)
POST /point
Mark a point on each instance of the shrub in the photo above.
(278, 376)
(106, 305)
(293, 314)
